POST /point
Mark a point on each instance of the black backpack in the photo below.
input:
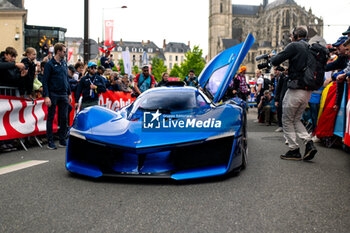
(314, 70)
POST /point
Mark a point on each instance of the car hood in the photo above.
(219, 72)
(120, 131)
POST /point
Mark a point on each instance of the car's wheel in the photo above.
(244, 153)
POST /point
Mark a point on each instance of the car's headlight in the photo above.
(76, 134)
(223, 135)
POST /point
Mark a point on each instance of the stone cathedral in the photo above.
(270, 24)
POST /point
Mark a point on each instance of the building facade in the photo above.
(140, 52)
(174, 53)
(13, 17)
(270, 24)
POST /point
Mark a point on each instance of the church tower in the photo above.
(220, 24)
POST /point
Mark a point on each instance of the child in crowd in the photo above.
(30, 64)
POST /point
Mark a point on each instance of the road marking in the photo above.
(21, 165)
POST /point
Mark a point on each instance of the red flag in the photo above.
(70, 52)
(108, 32)
(102, 50)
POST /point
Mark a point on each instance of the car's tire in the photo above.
(244, 153)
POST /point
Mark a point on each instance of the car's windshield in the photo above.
(168, 101)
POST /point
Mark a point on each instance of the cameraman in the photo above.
(107, 60)
(191, 79)
(296, 97)
(267, 108)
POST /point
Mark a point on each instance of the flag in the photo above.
(144, 58)
(339, 126)
(70, 53)
(127, 62)
(109, 32)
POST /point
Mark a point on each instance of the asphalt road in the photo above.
(271, 195)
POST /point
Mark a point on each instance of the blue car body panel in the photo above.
(104, 142)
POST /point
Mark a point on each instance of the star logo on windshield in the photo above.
(156, 115)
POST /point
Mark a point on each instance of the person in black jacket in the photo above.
(164, 80)
(340, 63)
(29, 62)
(11, 73)
(57, 93)
(296, 97)
(90, 86)
(280, 91)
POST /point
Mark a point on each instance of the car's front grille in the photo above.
(161, 160)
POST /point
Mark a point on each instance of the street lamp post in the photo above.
(103, 19)
(86, 32)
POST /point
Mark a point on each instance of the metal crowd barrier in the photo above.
(13, 91)
(10, 91)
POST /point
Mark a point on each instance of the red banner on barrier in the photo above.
(20, 117)
(115, 100)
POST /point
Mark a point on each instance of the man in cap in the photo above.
(340, 76)
(240, 86)
(90, 86)
(144, 81)
(342, 61)
(107, 60)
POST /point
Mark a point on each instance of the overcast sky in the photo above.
(155, 20)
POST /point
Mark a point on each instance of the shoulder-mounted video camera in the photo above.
(265, 64)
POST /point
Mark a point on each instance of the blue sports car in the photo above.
(172, 132)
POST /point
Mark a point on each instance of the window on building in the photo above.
(134, 50)
(133, 57)
(170, 65)
(176, 58)
(170, 57)
(182, 58)
(127, 49)
(221, 8)
(140, 50)
(150, 50)
(140, 57)
(119, 49)
(149, 57)
(287, 18)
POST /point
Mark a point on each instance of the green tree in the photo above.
(121, 66)
(176, 71)
(193, 60)
(158, 68)
(135, 70)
